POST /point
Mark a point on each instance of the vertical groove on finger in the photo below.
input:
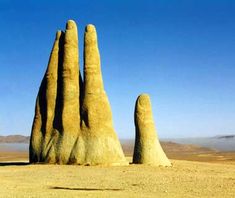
(81, 94)
(57, 122)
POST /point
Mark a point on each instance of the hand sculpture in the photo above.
(73, 119)
(147, 146)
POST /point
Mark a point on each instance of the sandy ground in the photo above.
(196, 172)
(6, 156)
(184, 179)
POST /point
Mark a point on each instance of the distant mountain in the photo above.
(219, 142)
(168, 146)
(14, 139)
(225, 136)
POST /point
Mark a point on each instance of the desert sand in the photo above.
(208, 174)
(183, 179)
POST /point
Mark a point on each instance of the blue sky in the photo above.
(181, 52)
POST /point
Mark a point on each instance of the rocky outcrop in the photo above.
(147, 148)
(73, 118)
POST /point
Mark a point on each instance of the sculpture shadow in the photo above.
(85, 189)
(14, 163)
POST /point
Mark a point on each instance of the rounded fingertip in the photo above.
(58, 34)
(90, 28)
(144, 100)
(70, 25)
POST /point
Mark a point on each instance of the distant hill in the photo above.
(14, 139)
(220, 142)
(225, 136)
(168, 146)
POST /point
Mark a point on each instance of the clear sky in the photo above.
(181, 52)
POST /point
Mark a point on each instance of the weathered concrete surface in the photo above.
(73, 120)
(147, 146)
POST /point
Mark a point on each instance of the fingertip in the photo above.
(144, 100)
(90, 28)
(70, 25)
(58, 34)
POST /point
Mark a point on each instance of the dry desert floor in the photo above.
(184, 179)
(196, 172)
